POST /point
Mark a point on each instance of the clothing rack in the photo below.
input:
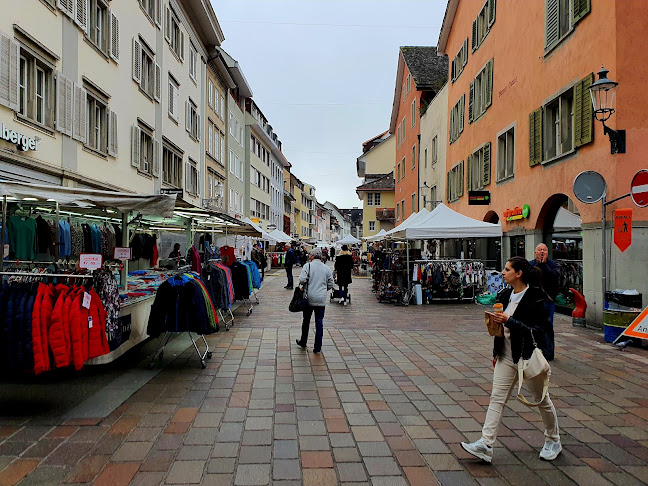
(159, 353)
(35, 274)
(229, 322)
(462, 286)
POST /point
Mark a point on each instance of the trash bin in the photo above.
(418, 294)
(615, 322)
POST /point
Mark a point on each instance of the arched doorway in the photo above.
(493, 248)
(560, 222)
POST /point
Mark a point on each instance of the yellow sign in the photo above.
(255, 220)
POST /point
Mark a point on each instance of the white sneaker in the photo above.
(345, 302)
(550, 450)
(479, 449)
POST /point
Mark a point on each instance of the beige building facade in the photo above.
(434, 129)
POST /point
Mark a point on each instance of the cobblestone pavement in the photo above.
(387, 402)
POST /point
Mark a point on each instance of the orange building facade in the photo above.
(521, 126)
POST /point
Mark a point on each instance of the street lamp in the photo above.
(603, 93)
(424, 186)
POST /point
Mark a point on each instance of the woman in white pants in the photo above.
(525, 321)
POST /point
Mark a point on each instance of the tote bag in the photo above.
(536, 365)
(299, 299)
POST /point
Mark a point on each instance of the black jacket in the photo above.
(530, 316)
(344, 267)
(550, 275)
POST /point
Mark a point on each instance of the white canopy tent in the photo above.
(377, 236)
(280, 236)
(348, 240)
(264, 235)
(413, 218)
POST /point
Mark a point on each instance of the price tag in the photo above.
(5, 252)
(122, 253)
(89, 322)
(86, 300)
(90, 261)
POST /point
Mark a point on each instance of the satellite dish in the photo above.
(589, 187)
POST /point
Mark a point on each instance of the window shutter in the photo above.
(198, 182)
(460, 190)
(64, 104)
(5, 68)
(81, 14)
(475, 43)
(137, 60)
(156, 158)
(465, 53)
(491, 13)
(135, 147)
(535, 137)
(188, 177)
(469, 174)
(551, 22)
(462, 108)
(80, 106)
(112, 134)
(158, 13)
(182, 46)
(176, 94)
(580, 9)
(14, 63)
(167, 26)
(471, 99)
(67, 7)
(583, 112)
(158, 83)
(448, 188)
(222, 108)
(198, 128)
(453, 69)
(489, 84)
(187, 117)
(487, 164)
(114, 37)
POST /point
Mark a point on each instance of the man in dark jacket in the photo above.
(550, 274)
(290, 261)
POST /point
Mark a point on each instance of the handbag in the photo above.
(299, 299)
(536, 365)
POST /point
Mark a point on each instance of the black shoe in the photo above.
(317, 351)
(299, 343)
(289, 288)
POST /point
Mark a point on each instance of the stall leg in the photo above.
(159, 353)
(206, 355)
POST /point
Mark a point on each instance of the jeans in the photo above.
(549, 308)
(344, 290)
(289, 275)
(319, 326)
(504, 383)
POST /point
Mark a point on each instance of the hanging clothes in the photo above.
(196, 265)
(227, 255)
(240, 280)
(22, 237)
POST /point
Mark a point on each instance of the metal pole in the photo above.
(603, 259)
(409, 283)
(57, 247)
(4, 227)
(123, 278)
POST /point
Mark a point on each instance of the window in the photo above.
(481, 92)
(376, 199)
(213, 140)
(238, 168)
(413, 157)
(435, 149)
(97, 124)
(433, 194)
(174, 35)
(397, 210)
(398, 138)
(171, 165)
(210, 93)
(402, 164)
(457, 119)
(506, 155)
(459, 61)
(372, 226)
(174, 93)
(483, 23)
(559, 21)
(232, 164)
(145, 155)
(413, 113)
(398, 173)
(192, 178)
(403, 132)
(478, 164)
(146, 72)
(222, 108)
(370, 199)
(192, 120)
(153, 10)
(414, 202)
(98, 30)
(425, 158)
(558, 126)
(403, 209)
(454, 187)
(409, 83)
(193, 63)
(222, 148)
(252, 143)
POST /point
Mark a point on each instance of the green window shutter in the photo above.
(462, 109)
(471, 98)
(453, 69)
(487, 164)
(475, 42)
(450, 138)
(491, 12)
(448, 188)
(489, 84)
(580, 8)
(461, 179)
(583, 112)
(469, 174)
(535, 137)
(551, 22)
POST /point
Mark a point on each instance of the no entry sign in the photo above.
(639, 188)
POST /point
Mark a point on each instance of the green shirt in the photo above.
(22, 237)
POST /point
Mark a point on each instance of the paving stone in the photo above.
(288, 469)
(286, 449)
(225, 450)
(316, 459)
(374, 449)
(117, 474)
(420, 476)
(186, 472)
(257, 437)
(388, 481)
(45, 476)
(351, 472)
(132, 452)
(314, 443)
(320, 477)
(312, 428)
(285, 432)
(256, 475)
(255, 454)
(194, 453)
(217, 480)
(221, 465)
(367, 433)
(201, 436)
(158, 461)
(342, 440)
(381, 466)
(346, 454)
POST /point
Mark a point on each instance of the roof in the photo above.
(236, 72)
(385, 183)
(430, 71)
(448, 19)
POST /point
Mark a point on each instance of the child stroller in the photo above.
(335, 294)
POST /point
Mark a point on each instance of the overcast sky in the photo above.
(323, 73)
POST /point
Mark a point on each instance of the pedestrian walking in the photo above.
(550, 275)
(319, 279)
(525, 321)
(258, 257)
(344, 267)
(288, 263)
(332, 252)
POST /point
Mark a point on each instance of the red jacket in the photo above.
(46, 310)
(58, 335)
(97, 338)
(37, 338)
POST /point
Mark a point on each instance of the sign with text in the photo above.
(623, 228)
(517, 213)
(22, 142)
(479, 198)
(122, 253)
(637, 328)
(172, 190)
(90, 261)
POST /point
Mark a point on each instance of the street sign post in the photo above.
(639, 188)
(637, 328)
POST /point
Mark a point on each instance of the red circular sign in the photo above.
(639, 188)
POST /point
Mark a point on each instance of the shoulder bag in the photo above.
(536, 365)
(299, 299)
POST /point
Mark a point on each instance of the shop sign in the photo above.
(623, 228)
(23, 142)
(121, 253)
(90, 261)
(172, 190)
(255, 220)
(517, 213)
(479, 198)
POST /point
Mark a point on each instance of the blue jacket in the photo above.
(290, 258)
(550, 274)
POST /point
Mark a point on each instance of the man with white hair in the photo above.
(550, 275)
(319, 279)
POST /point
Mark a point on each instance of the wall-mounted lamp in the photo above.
(603, 93)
